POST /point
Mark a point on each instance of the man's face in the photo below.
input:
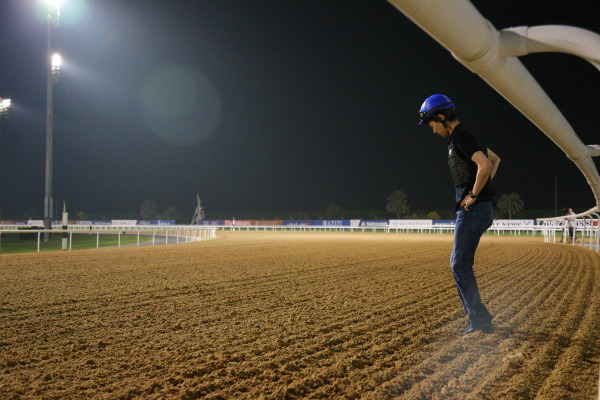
(439, 128)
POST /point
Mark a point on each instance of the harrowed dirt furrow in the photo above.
(305, 358)
(553, 335)
(345, 288)
(317, 316)
(383, 360)
(535, 361)
(241, 280)
(521, 370)
(294, 363)
(530, 298)
(503, 290)
(131, 303)
(337, 344)
(156, 295)
(522, 298)
(348, 383)
(426, 340)
(491, 270)
(497, 278)
(268, 366)
(526, 297)
(413, 384)
(579, 355)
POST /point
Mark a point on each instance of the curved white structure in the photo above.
(523, 40)
(476, 44)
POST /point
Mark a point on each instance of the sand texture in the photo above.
(299, 315)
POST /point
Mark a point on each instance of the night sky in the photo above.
(269, 106)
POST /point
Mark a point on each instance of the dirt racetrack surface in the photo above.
(299, 315)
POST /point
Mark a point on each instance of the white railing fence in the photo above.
(586, 231)
(159, 234)
(551, 229)
(420, 228)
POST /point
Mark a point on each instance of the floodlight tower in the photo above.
(4, 106)
(53, 70)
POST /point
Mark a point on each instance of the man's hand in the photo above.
(467, 202)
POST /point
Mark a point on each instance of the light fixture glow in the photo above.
(53, 3)
(53, 11)
(4, 104)
(56, 60)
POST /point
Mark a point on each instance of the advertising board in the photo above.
(102, 222)
(268, 222)
(124, 222)
(296, 222)
(238, 222)
(374, 223)
(165, 222)
(211, 222)
(516, 223)
(410, 222)
(328, 222)
(444, 221)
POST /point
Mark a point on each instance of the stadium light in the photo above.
(53, 9)
(55, 62)
(4, 105)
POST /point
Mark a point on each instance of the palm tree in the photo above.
(434, 215)
(510, 204)
(171, 213)
(149, 210)
(398, 203)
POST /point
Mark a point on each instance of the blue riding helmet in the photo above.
(433, 103)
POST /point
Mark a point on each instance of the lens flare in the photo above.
(180, 104)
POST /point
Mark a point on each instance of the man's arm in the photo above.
(495, 161)
(484, 169)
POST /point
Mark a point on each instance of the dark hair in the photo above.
(449, 113)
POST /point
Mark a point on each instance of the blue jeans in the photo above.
(470, 225)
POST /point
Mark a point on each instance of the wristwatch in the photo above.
(471, 195)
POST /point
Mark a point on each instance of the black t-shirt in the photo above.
(462, 144)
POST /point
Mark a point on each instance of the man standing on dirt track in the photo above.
(472, 166)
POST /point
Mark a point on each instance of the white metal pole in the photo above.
(48, 206)
(476, 44)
